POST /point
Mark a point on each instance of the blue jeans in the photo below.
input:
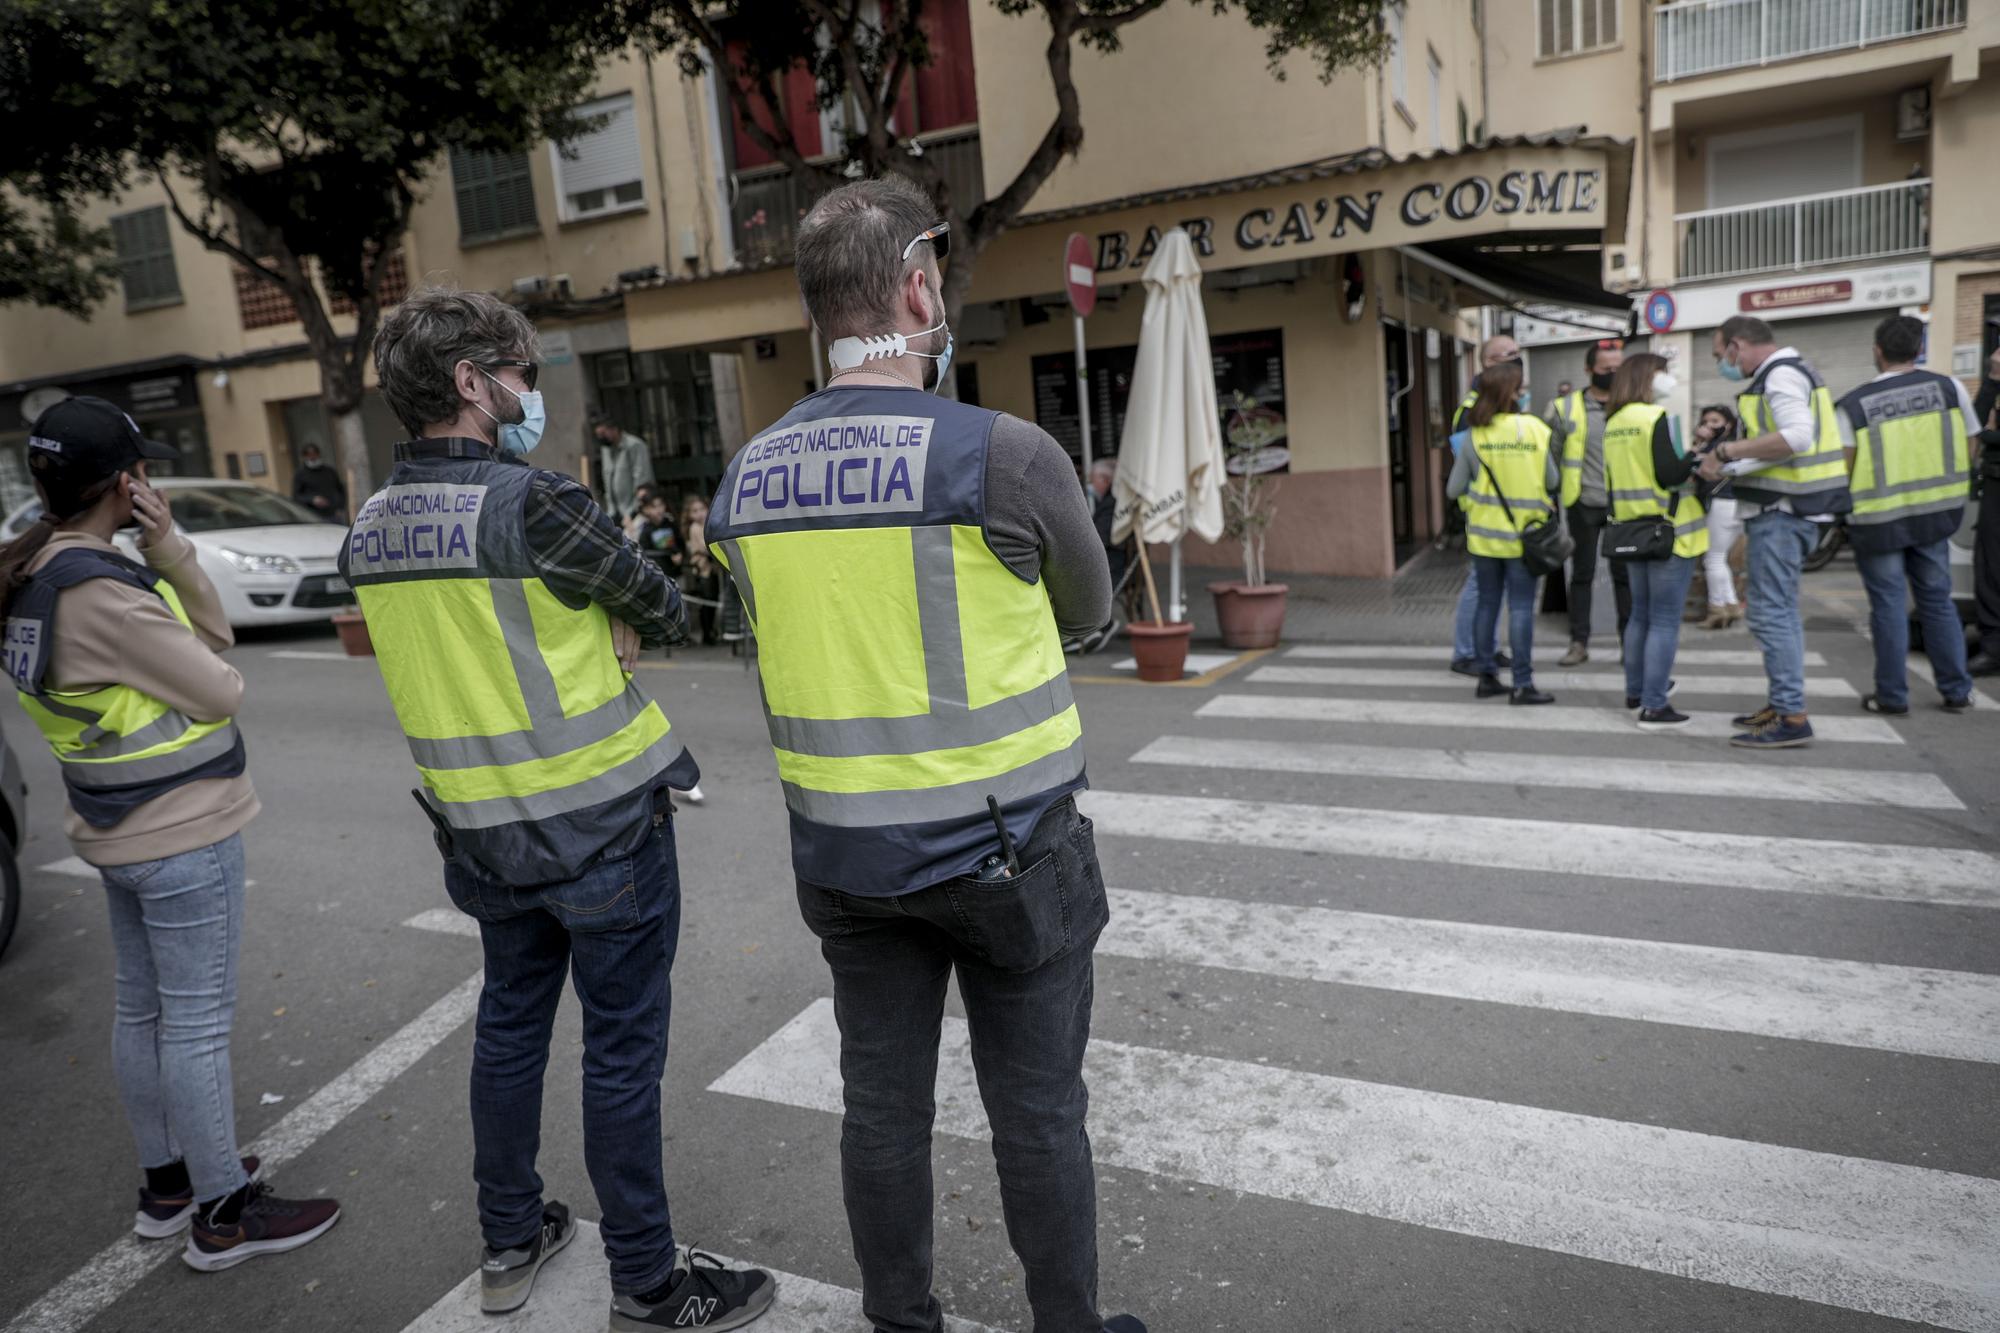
(1510, 577)
(1653, 634)
(177, 924)
(1021, 949)
(613, 931)
(1777, 548)
(1928, 569)
(1463, 649)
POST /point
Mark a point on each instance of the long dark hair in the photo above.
(1634, 382)
(17, 555)
(1499, 390)
(1731, 428)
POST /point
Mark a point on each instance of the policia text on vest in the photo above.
(538, 756)
(908, 672)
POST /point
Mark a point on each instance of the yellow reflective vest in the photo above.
(1815, 482)
(1912, 457)
(1635, 489)
(1512, 453)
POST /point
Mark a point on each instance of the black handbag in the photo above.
(1544, 544)
(1649, 538)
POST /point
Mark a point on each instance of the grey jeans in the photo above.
(177, 924)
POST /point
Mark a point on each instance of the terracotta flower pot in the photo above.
(1250, 617)
(353, 631)
(1161, 650)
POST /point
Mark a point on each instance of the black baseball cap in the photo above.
(77, 447)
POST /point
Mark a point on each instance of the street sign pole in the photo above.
(1083, 397)
(1080, 282)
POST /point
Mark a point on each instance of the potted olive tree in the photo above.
(1251, 613)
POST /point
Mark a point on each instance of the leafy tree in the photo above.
(862, 54)
(291, 135)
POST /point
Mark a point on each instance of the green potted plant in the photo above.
(1251, 613)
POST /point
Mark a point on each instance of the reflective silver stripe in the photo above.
(1748, 483)
(937, 611)
(739, 574)
(517, 627)
(1498, 534)
(1519, 506)
(1573, 464)
(1908, 511)
(1811, 460)
(1958, 478)
(542, 740)
(126, 772)
(872, 809)
(1694, 525)
(940, 729)
(632, 775)
(1646, 494)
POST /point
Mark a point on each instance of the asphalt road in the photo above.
(1398, 1026)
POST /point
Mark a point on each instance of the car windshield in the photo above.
(220, 508)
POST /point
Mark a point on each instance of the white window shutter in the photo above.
(606, 157)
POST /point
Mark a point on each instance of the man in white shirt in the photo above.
(1791, 476)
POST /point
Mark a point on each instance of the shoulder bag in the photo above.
(1649, 538)
(1544, 544)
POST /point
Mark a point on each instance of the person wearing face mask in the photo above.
(318, 487)
(911, 566)
(1789, 475)
(1464, 648)
(1647, 477)
(1908, 435)
(1578, 422)
(507, 610)
(1716, 427)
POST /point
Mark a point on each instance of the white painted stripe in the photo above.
(573, 1292)
(1888, 871)
(1667, 777)
(1194, 665)
(1912, 1010)
(86, 1293)
(1752, 688)
(1982, 702)
(82, 869)
(1457, 716)
(315, 655)
(1400, 652)
(1880, 1237)
(445, 921)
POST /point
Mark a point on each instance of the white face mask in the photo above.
(1663, 386)
(850, 353)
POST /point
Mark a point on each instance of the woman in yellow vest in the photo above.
(116, 663)
(1649, 478)
(1509, 478)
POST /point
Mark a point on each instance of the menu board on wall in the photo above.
(1249, 392)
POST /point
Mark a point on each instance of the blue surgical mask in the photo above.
(1524, 401)
(1728, 369)
(520, 437)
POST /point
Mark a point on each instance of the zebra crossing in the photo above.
(1319, 761)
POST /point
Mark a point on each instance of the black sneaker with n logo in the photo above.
(506, 1277)
(700, 1294)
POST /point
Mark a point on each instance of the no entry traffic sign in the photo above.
(1080, 274)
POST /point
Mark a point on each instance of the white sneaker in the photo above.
(692, 795)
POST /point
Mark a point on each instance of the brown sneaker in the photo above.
(1577, 655)
(1766, 716)
(265, 1224)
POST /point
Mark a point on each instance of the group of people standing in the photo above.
(1892, 459)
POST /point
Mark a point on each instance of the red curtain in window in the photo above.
(945, 92)
(798, 101)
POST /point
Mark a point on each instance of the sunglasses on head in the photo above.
(530, 371)
(939, 237)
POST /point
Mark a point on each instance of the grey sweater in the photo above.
(1038, 523)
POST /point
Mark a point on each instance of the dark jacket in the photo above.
(321, 490)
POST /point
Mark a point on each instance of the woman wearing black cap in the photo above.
(116, 662)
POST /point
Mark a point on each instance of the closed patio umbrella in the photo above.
(1170, 456)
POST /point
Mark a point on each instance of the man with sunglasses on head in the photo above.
(507, 611)
(911, 566)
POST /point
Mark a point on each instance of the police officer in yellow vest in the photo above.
(1790, 476)
(1578, 421)
(910, 566)
(1908, 435)
(1648, 478)
(1509, 477)
(506, 610)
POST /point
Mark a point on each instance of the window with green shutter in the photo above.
(146, 258)
(495, 195)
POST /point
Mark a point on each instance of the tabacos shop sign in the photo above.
(1444, 206)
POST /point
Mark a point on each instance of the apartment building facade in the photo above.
(1351, 234)
(1816, 163)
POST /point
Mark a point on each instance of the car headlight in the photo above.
(248, 563)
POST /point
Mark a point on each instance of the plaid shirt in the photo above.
(579, 552)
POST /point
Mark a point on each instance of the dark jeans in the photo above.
(1986, 563)
(1022, 950)
(1586, 525)
(613, 931)
(1510, 578)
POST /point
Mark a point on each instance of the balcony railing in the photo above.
(1845, 226)
(1703, 36)
(771, 200)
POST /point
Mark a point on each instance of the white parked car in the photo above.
(271, 560)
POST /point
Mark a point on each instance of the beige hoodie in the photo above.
(109, 633)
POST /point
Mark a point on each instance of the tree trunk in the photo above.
(350, 452)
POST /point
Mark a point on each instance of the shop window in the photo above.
(1566, 27)
(495, 195)
(598, 172)
(146, 258)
